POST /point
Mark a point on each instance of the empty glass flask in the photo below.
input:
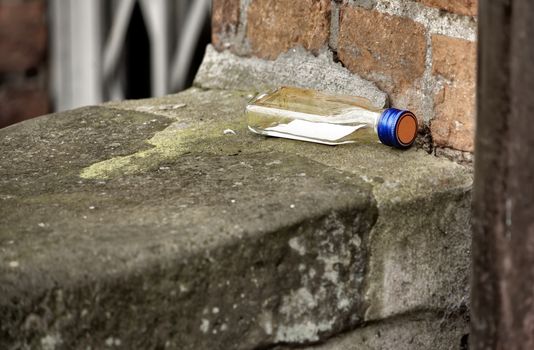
(309, 115)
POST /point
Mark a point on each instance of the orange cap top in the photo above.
(406, 130)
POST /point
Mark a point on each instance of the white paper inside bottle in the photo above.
(302, 130)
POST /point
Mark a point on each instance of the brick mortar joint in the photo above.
(241, 35)
(334, 26)
(429, 83)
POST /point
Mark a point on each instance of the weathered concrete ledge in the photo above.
(164, 223)
(418, 331)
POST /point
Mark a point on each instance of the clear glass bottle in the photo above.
(314, 116)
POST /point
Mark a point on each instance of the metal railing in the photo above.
(88, 43)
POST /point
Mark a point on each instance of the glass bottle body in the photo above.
(314, 116)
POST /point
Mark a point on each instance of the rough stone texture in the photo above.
(462, 7)
(142, 224)
(275, 26)
(22, 34)
(20, 103)
(435, 246)
(454, 123)
(224, 22)
(192, 236)
(294, 68)
(388, 50)
(425, 331)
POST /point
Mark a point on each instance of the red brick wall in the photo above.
(23, 43)
(421, 52)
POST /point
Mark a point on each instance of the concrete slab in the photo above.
(143, 224)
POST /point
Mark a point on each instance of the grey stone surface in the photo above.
(297, 67)
(142, 224)
(424, 331)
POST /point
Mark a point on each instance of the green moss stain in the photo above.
(164, 147)
(168, 144)
(103, 170)
(199, 126)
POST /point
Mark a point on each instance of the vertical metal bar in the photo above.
(86, 52)
(84, 64)
(157, 21)
(76, 53)
(190, 33)
(59, 60)
(115, 41)
(502, 302)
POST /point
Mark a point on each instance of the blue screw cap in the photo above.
(397, 128)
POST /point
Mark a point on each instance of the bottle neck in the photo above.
(377, 118)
